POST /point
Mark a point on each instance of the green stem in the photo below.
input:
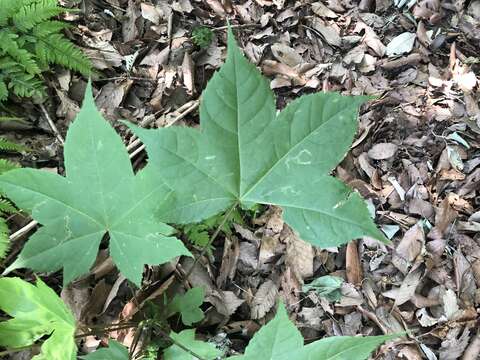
(107, 329)
(212, 239)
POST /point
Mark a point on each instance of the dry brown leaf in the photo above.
(151, 13)
(330, 33)
(286, 55)
(382, 151)
(264, 299)
(225, 302)
(231, 253)
(353, 265)
(299, 257)
(454, 345)
(411, 244)
(321, 10)
(370, 38)
(407, 289)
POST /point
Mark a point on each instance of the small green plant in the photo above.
(6, 207)
(328, 287)
(30, 42)
(202, 36)
(199, 233)
(244, 155)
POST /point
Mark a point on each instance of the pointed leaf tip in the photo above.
(88, 92)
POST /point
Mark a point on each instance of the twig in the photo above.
(52, 125)
(137, 151)
(212, 239)
(22, 231)
(107, 329)
(239, 26)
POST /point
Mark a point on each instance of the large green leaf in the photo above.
(36, 311)
(115, 351)
(100, 194)
(245, 153)
(280, 340)
(186, 338)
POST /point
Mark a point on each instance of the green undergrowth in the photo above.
(30, 41)
(6, 207)
(245, 155)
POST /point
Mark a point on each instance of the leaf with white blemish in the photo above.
(99, 195)
(245, 153)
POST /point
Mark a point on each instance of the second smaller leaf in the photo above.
(115, 351)
(186, 338)
(188, 305)
(327, 287)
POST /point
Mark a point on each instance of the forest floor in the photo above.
(415, 159)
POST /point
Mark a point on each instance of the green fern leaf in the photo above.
(9, 8)
(6, 145)
(6, 165)
(4, 240)
(35, 12)
(26, 85)
(6, 207)
(9, 46)
(56, 49)
(3, 90)
(29, 42)
(48, 27)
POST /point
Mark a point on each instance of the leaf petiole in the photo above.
(212, 239)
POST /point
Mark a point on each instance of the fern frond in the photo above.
(12, 118)
(7, 207)
(35, 12)
(4, 240)
(6, 145)
(6, 165)
(26, 85)
(9, 46)
(9, 8)
(3, 90)
(29, 42)
(56, 49)
(49, 27)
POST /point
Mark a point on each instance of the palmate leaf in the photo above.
(188, 305)
(99, 195)
(187, 339)
(36, 311)
(245, 153)
(281, 340)
(115, 351)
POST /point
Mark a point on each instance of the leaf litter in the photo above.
(415, 160)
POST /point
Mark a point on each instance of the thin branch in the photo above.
(22, 231)
(52, 125)
(212, 239)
